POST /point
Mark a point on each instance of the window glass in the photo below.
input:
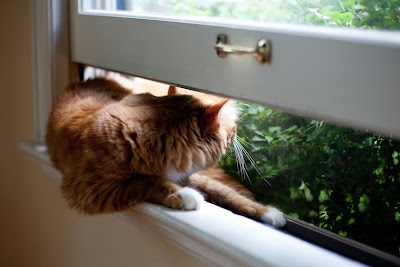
(381, 14)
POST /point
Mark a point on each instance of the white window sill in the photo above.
(217, 236)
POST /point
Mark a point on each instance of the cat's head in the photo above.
(182, 133)
(213, 121)
(220, 114)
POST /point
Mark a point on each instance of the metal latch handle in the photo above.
(262, 51)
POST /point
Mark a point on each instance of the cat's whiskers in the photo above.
(230, 153)
(244, 142)
(240, 161)
(240, 152)
(254, 164)
(238, 166)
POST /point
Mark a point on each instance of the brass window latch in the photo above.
(262, 51)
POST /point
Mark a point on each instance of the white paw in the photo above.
(274, 217)
(191, 199)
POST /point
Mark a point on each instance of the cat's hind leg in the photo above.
(227, 197)
(219, 175)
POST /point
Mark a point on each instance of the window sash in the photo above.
(346, 76)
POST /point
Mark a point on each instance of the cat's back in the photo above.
(71, 121)
(95, 92)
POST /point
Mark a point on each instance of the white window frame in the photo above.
(50, 58)
(213, 235)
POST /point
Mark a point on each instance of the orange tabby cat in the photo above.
(116, 148)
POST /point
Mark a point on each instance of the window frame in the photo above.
(53, 69)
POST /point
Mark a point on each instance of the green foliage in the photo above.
(340, 179)
(383, 14)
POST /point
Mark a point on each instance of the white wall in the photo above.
(36, 228)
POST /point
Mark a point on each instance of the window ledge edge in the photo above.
(217, 236)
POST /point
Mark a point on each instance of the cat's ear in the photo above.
(213, 110)
(172, 90)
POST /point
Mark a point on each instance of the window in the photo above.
(344, 76)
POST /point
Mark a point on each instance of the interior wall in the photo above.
(36, 228)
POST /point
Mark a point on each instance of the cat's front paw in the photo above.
(191, 199)
(274, 217)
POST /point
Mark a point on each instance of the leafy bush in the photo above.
(340, 179)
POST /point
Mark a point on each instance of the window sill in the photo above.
(216, 236)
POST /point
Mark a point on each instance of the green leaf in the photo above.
(323, 196)
(346, 17)
(326, 9)
(269, 139)
(351, 221)
(397, 216)
(258, 139)
(274, 129)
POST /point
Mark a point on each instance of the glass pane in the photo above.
(379, 14)
(343, 180)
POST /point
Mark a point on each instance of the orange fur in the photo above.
(116, 147)
(219, 189)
